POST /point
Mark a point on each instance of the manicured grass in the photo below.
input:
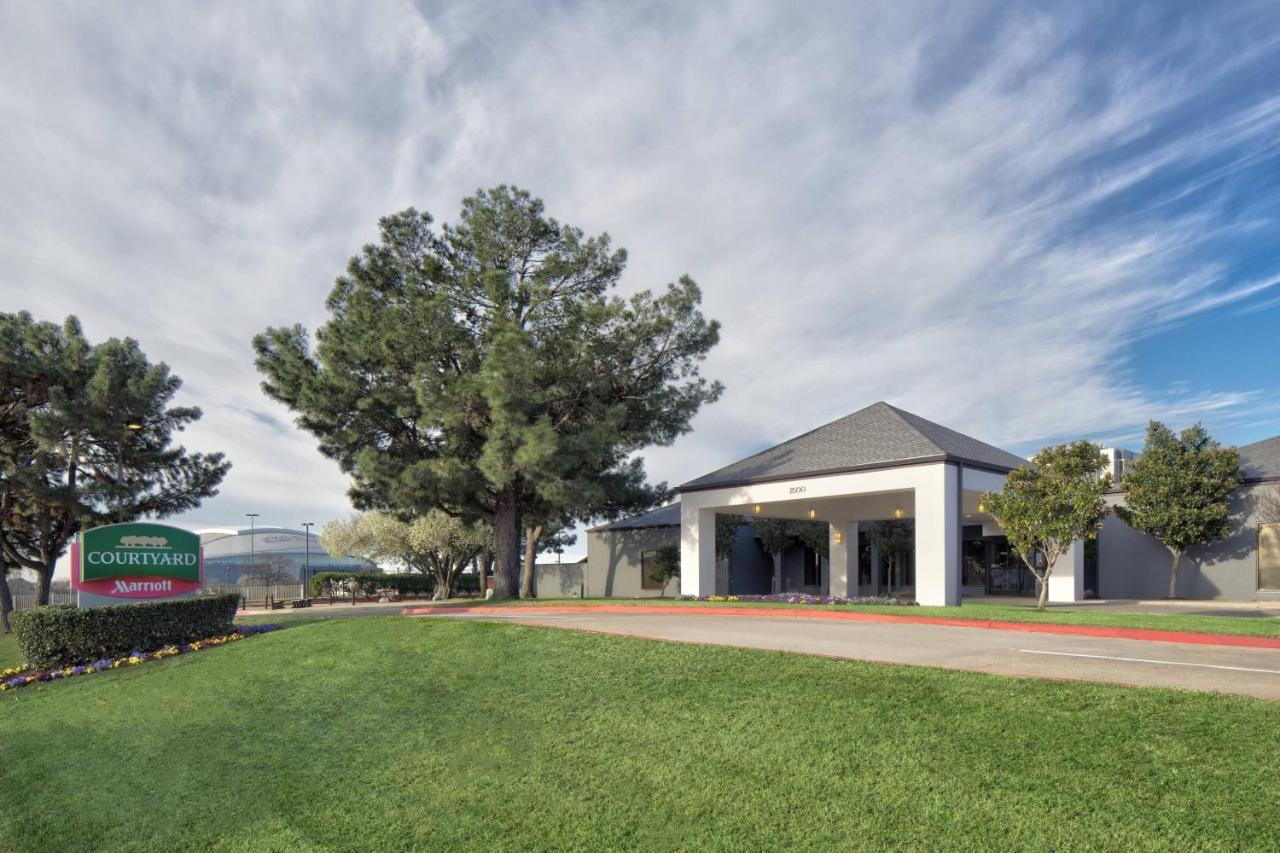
(9, 654)
(396, 733)
(1260, 626)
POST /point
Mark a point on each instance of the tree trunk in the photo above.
(506, 528)
(486, 569)
(532, 535)
(1173, 573)
(1042, 591)
(444, 586)
(777, 573)
(6, 599)
(44, 581)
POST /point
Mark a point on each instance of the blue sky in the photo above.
(1030, 222)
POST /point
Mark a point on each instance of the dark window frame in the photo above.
(647, 583)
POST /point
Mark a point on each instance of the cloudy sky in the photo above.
(1027, 223)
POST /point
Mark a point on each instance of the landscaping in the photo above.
(380, 734)
(57, 637)
(11, 678)
(1260, 626)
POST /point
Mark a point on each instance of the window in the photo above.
(646, 570)
(1269, 556)
(812, 568)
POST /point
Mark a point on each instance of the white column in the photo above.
(938, 537)
(697, 550)
(1067, 581)
(843, 571)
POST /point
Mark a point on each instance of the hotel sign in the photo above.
(137, 560)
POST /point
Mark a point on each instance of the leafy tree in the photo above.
(666, 566)
(776, 535)
(1179, 491)
(485, 369)
(437, 544)
(894, 539)
(1044, 508)
(726, 534)
(87, 440)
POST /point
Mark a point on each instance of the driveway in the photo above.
(1245, 671)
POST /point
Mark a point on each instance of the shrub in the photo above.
(339, 584)
(51, 637)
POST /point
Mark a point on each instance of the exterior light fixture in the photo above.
(897, 513)
(813, 513)
(839, 537)
(757, 509)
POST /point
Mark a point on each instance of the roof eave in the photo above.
(694, 486)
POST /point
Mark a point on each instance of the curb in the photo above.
(1116, 633)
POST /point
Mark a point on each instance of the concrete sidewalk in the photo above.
(1226, 669)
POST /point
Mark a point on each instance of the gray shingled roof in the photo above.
(663, 516)
(1261, 460)
(875, 437)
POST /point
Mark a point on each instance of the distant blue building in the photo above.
(277, 553)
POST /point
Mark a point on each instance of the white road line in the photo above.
(1147, 660)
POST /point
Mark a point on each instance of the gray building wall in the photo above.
(560, 580)
(750, 569)
(613, 561)
(1133, 565)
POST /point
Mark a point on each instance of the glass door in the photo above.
(1006, 573)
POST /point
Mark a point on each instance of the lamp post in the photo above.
(306, 571)
(252, 516)
(129, 429)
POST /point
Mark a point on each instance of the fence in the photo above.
(256, 595)
(56, 596)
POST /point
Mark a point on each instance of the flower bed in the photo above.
(21, 676)
(805, 598)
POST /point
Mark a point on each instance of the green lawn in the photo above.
(394, 733)
(9, 655)
(1260, 626)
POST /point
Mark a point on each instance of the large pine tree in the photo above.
(486, 369)
(86, 438)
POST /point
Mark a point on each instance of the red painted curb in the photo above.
(1148, 634)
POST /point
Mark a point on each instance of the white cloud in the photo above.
(970, 213)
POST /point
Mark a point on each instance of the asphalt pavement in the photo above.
(1226, 669)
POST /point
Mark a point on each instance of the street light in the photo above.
(306, 571)
(252, 516)
(129, 429)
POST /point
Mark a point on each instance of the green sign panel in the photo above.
(138, 560)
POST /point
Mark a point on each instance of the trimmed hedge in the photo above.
(338, 584)
(59, 636)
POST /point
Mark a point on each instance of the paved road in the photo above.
(1250, 672)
